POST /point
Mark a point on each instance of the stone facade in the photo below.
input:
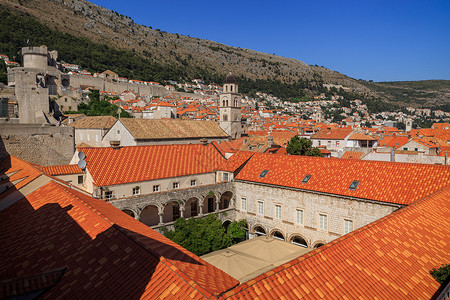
(42, 145)
(334, 207)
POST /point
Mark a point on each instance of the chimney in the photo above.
(114, 144)
(204, 142)
(269, 140)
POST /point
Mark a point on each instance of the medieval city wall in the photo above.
(40, 144)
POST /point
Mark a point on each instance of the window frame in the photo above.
(320, 222)
(156, 188)
(297, 216)
(138, 189)
(176, 185)
(82, 179)
(345, 227)
(194, 181)
(260, 208)
(243, 204)
(278, 209)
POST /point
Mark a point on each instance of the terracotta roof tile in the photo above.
(98, 122)
(352, 155)
(61, 170)
(377, 269)
(400, 183)
(163, 129)
(110, 166)
(106, 253)
(332, 134)
(235, 161)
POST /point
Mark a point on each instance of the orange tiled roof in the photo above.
(332, 134)
(62, 170)
(361, 137)
(235, 161)
(388, 259)
(100, 251)
(400, 183)
(393, 141)
(110, 166)
(352, 155)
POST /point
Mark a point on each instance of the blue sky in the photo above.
(369, 39)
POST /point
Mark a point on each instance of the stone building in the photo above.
(138, 132)
(230, 107)
(91, 130)
(54, 234)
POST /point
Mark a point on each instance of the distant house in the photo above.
(91, 130)
(136, 132)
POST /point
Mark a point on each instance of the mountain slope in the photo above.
(190, 57)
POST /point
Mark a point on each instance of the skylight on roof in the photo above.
(263, 173)
(305, 180)
(354, 185)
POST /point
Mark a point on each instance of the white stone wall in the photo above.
(165, 184)
(92, 137)
(337, 209)
(118, 132)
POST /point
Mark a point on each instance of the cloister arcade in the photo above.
(162, 209)
(294, 238)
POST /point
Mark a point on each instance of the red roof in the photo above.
(110, 166)
(400, 183)
(393, 141)
(235, 161)
(99, 251)
(62, 170)
(388, 259)
(332, 134)
(352, 155)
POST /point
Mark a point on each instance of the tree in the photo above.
(302, 146)
(442, 275)
(204, 235)
(96, 107)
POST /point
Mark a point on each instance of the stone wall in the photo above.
(337, 209)
(40, 144)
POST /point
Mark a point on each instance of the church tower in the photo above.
(230, 107)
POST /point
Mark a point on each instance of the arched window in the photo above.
(298, 240)
(259, 231)
(231, 88)
(278, 235)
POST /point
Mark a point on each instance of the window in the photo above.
(323, 222)
(260, 208)
(354, 185)
(108, 195)
(299, 216)
(88, 137)
(416, 149)
(176, 185)
(305, 180)
(277, 212)
(156, 188)
(348, 226)
(225, 177)
(193, 182)
(405, 148)
(136, 190)
(243, 204)
(118, 131)
(263, 173)
(80, 179)
(81, 136)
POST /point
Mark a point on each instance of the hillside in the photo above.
(177, 57)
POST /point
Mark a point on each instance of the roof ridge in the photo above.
(161, 258)
(318, 251)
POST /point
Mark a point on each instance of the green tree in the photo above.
(204, 235)
(442, 274)
(97, 107)
(302, 146)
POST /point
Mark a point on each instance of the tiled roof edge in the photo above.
(325, 193)
(317, 251)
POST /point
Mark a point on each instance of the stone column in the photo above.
(181, 211)
(217, 204)
(200, 206)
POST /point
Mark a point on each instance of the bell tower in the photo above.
(230, 107)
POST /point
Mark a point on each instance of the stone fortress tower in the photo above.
(34, 83)
(230, 107)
